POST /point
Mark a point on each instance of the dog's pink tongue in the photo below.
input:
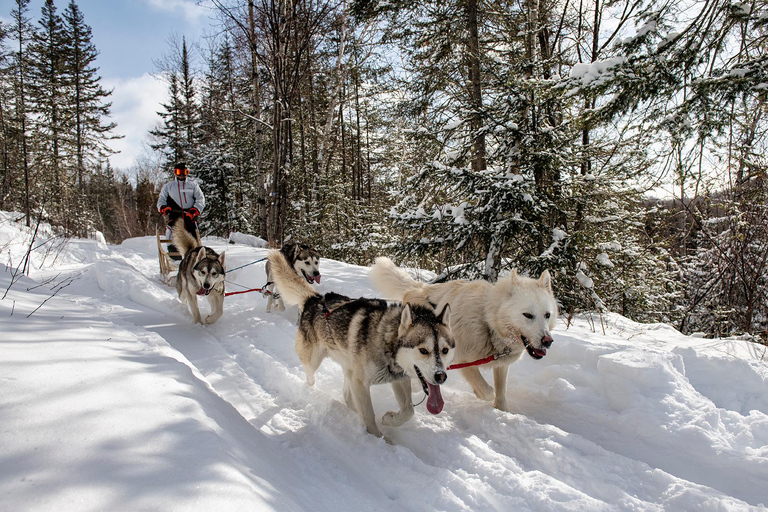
(435, 401)
(317, 279)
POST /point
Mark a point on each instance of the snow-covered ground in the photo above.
(110, 399)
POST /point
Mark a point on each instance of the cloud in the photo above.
(135, 103)
(189, 9)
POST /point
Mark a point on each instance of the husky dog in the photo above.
(375, 342)
(201, 272)
(305, 262)
(501, 319)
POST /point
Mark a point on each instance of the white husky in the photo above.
(501, 319)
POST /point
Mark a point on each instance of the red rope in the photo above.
(473, 363)
(246, 291)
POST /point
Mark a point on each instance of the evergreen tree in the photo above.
(218, 162)
(176, 136)
(22, 32)
(7, 175)
(87, 104)
(48, 106)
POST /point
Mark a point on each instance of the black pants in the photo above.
(176, 212)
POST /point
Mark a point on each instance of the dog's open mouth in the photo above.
(435, 401)
(203, 291)
(536, 353)
(311, 279)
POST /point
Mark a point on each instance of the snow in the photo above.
(452, 125)
(604, 260)
(584, 280)
(598, 70)
(249, 240)
(112, 400)
(558, 235)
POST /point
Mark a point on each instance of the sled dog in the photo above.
(505, 318)
(201, 272)
(305, 262)
(375, 342)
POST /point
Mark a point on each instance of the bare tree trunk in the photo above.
(475, 88)
(261, 192)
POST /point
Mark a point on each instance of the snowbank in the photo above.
(112, 399)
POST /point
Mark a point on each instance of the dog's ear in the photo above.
(545, 280)
(445, 315)
(513, 275)
(406, 319)
(200, 255)
(221, 259)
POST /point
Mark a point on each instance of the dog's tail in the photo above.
(391, 280)
(294, 290)
(182, 238)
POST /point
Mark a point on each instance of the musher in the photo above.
(181, 198)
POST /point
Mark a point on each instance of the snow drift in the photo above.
(111, 399)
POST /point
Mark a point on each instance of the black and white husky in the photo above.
(305, 262)
(375, 342)
(201, 272)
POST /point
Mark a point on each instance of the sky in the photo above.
(112, 399)
(130, 36)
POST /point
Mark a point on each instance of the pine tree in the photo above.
(176, 136)
(47, 103)
(217, 161)
(7, 175)
(22, 32)
(87, 104)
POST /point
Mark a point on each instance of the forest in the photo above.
(620, 144)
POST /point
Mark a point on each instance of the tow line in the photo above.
(479, 362)
(262, 290)
(247, 264)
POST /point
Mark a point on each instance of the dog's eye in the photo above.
(424, 351)
(528, 316)
(445, 350)
(547, 315)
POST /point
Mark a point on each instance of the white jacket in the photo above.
(186, 193)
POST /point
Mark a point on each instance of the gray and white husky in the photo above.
(375, 342)
(514, 315)
(201, 272)
(305, 262)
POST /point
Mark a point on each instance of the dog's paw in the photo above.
(390, 419)
(500, 404)
(395, 419)
(485, 393)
